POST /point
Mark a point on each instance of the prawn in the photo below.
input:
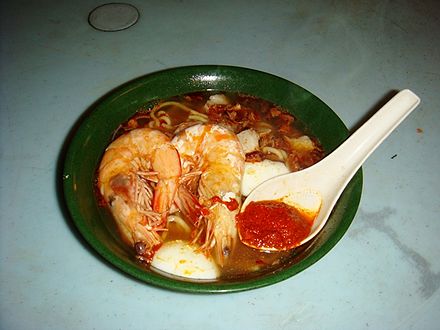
(138, 178)
(212, 161)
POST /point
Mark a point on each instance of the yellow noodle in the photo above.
(200, 116)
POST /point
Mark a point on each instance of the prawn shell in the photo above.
(122, 182)
(217, 154)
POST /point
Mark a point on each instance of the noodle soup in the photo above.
(250, 140)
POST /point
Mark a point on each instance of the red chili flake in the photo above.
(232, 204)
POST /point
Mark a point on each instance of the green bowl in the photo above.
(95, 131)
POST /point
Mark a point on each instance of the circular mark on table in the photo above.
(112, 17)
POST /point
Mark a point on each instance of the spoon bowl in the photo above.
(315, 190)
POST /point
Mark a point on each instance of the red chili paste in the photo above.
(232, 204)
(272, 225)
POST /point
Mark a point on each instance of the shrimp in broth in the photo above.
(212, 162)
(180, 170)
(138, 178)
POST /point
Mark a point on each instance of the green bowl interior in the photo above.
(95, 132)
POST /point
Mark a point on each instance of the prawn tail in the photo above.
(166, 162)
(164, 195)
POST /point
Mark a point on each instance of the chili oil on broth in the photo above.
(281, 138)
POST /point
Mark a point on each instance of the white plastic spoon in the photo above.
(316, 189)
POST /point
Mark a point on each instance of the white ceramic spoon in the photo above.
(317, 188)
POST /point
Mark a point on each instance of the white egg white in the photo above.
(182, 259)
(257, 173)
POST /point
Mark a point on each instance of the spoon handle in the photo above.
(351, 154)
